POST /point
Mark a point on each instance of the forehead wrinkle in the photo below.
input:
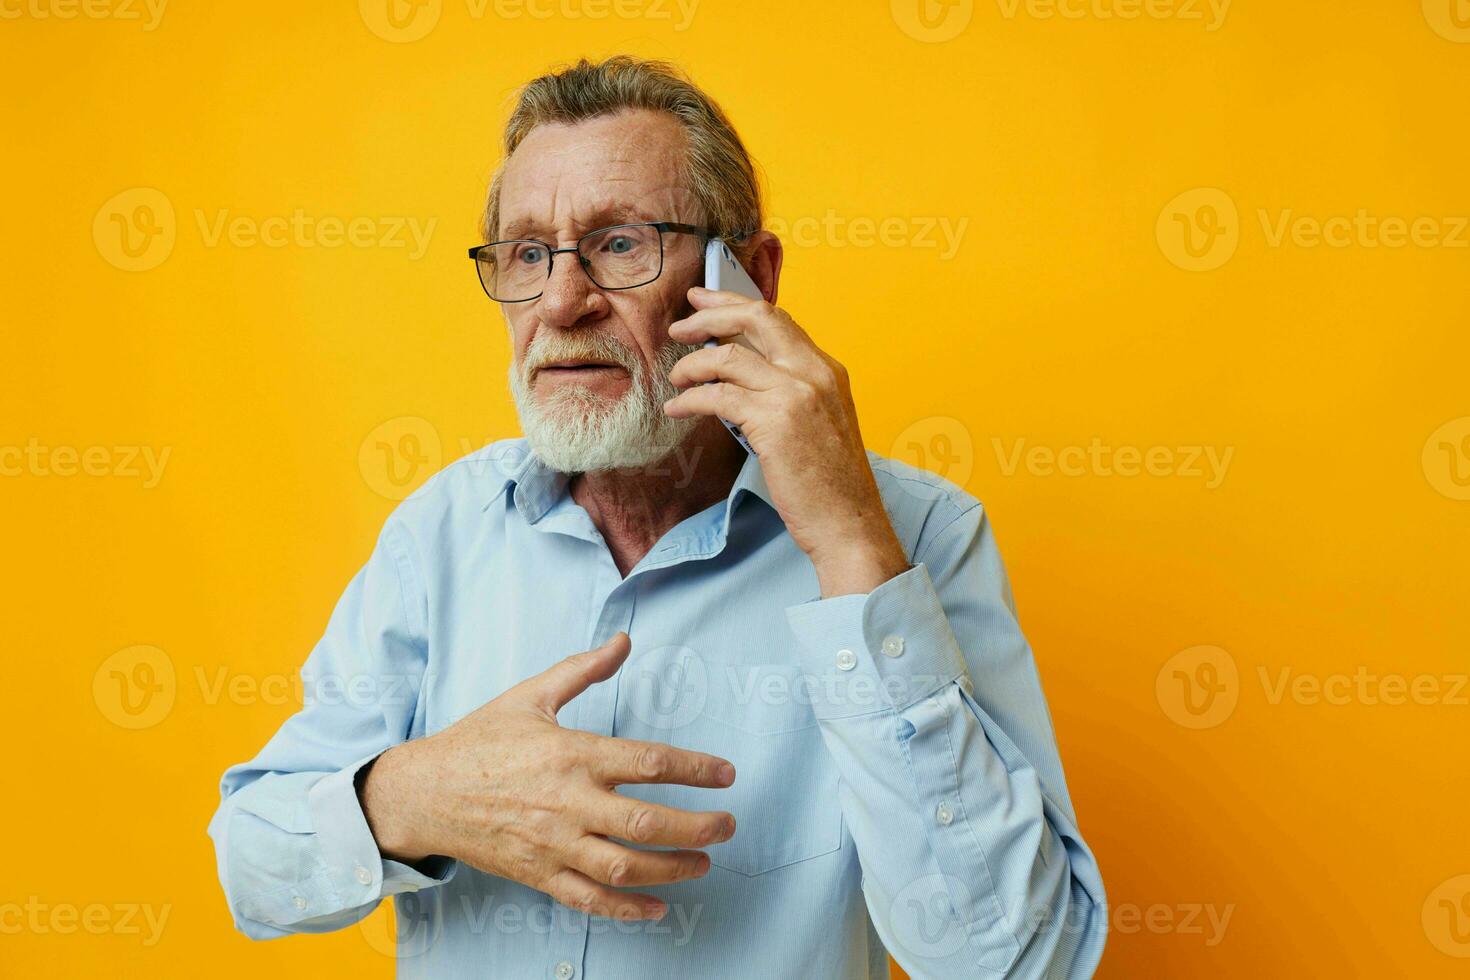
(622, 155)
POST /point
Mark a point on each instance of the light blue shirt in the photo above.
(899, 787)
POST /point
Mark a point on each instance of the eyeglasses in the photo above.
(617, 257)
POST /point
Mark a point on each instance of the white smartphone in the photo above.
(721, 271)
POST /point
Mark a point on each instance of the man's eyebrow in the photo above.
(615, 214)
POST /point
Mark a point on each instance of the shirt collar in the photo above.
(536, 488)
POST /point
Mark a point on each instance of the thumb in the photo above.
(554, 687)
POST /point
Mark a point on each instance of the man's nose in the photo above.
(569, 294)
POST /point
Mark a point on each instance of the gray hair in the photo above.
(716, 165)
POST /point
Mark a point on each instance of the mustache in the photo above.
(548, 348)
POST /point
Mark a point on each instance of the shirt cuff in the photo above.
(355, 867)
(883, 650)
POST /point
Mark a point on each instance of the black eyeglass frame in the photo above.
(663, 227)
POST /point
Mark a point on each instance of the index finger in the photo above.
(626, 760)
(768, 329)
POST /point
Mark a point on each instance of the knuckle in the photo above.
(642, 824)
(652, 761)
(619, 872)
(583, 901)
(522, 868)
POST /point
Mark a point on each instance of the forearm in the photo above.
(969, 870)
(948, 814)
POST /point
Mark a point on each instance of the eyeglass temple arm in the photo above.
(708, 233)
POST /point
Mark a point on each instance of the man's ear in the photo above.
(764, 264)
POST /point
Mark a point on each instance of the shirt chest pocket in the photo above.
(759, 717)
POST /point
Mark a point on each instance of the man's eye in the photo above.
(621, 245)
(531, 255)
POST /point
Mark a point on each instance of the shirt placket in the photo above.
(594, 709)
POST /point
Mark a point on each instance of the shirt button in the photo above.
(564, 971)
(846, 660)
(944, 815)
(300, 903)
(893, 646)
(364, 876)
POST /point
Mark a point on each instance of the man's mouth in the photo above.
(578, 367)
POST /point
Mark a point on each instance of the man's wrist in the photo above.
(381, 792)
(860, 567)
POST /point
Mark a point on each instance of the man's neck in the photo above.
(634, 508)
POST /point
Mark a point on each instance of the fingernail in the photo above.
(655, 910)
(726, 774)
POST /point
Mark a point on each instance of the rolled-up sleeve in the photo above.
(294, 849)
(929, 701)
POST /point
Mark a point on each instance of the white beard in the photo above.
(573, 430)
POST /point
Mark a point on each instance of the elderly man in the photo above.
(806, 730)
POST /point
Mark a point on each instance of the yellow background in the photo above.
(1333, 834)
